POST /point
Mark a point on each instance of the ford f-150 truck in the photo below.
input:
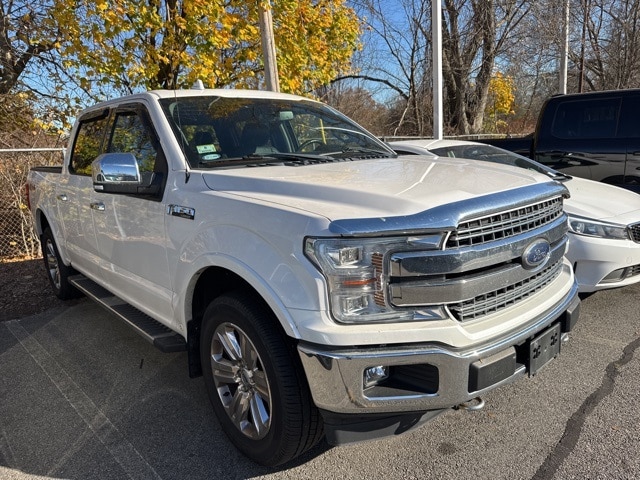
(594, 135)
(318, 282)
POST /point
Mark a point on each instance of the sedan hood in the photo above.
(600, 201)
(377, 188)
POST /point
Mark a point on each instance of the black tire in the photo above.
(253, 374)
(57, 272)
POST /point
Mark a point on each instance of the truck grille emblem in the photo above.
(536, 254)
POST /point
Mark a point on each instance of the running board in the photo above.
(153, 331)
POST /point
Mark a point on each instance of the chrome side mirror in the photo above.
(116, 173)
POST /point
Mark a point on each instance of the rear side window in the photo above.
(88, 144)
(586, 119)
(629, 120)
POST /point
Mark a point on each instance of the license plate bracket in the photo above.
(544, 348)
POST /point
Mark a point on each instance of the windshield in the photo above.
(493, 154)
(222, 131)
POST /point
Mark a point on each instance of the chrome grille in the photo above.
(634, 231)
(506, 224)
(497, 300)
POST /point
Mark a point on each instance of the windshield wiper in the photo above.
(369, 151)
(255, 159)
(252, 159)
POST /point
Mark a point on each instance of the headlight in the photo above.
(593, 228)
(354, 270)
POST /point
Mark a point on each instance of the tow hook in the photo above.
(472, 405)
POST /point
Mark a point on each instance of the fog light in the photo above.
(616, 276)
(374, 375)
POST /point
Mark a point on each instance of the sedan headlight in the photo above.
(594, 228)
(354, 270)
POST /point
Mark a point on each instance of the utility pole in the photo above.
(268, 46)
(436, 41)
(586, 5)
(565, 50)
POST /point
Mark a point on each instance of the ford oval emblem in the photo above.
(536, 254)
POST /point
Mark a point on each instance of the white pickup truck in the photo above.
(318, 282)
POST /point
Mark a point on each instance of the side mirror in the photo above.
(116, 173)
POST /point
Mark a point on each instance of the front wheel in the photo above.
(57, 272)
(255, 382)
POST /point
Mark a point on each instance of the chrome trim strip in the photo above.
(634, 232)
(440, 290)
(438, 262)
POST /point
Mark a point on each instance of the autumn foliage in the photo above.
(130, 45)
(500, 102)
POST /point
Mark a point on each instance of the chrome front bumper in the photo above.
(431, 376)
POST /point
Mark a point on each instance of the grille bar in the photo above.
(632, 271)
(497, 300)
(506, 224)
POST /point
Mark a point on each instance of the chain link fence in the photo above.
(18, 238)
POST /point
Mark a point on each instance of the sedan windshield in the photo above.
(216, 131)
(493, 154)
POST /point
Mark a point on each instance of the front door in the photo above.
(131, 228)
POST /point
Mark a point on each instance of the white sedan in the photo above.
(604, 221)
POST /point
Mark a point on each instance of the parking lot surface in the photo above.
(83, 397)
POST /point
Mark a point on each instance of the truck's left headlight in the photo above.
(354, 270)
(594, 228)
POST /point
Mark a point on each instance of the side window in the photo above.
(130, 134)
(586, 119)
(87, 144)
(629, 121)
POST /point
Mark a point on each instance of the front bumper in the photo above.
(424, 376)
(601, 263)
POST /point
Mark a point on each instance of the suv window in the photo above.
(629, 121)
(88, 143)
(586, 119)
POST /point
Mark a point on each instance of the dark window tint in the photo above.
(586, 119)
(87, 145)
(630, 118)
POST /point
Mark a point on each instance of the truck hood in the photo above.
(377, 188)
(600, 201)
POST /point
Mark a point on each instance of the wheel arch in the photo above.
(209, 284)
(41, 223)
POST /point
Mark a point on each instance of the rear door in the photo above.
(578, 137)
(130, 229)
(74, 194)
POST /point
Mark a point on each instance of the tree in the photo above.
(611, 44)
(24, 36)
(358, 103)
(397, 59)
(500, 101)
(129, 45)
(474, 35)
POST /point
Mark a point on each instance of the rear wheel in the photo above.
(255, 382)
(57, 272)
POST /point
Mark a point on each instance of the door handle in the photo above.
(99, 206)
(62, 197)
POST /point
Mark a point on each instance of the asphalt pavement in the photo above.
(83, 397)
